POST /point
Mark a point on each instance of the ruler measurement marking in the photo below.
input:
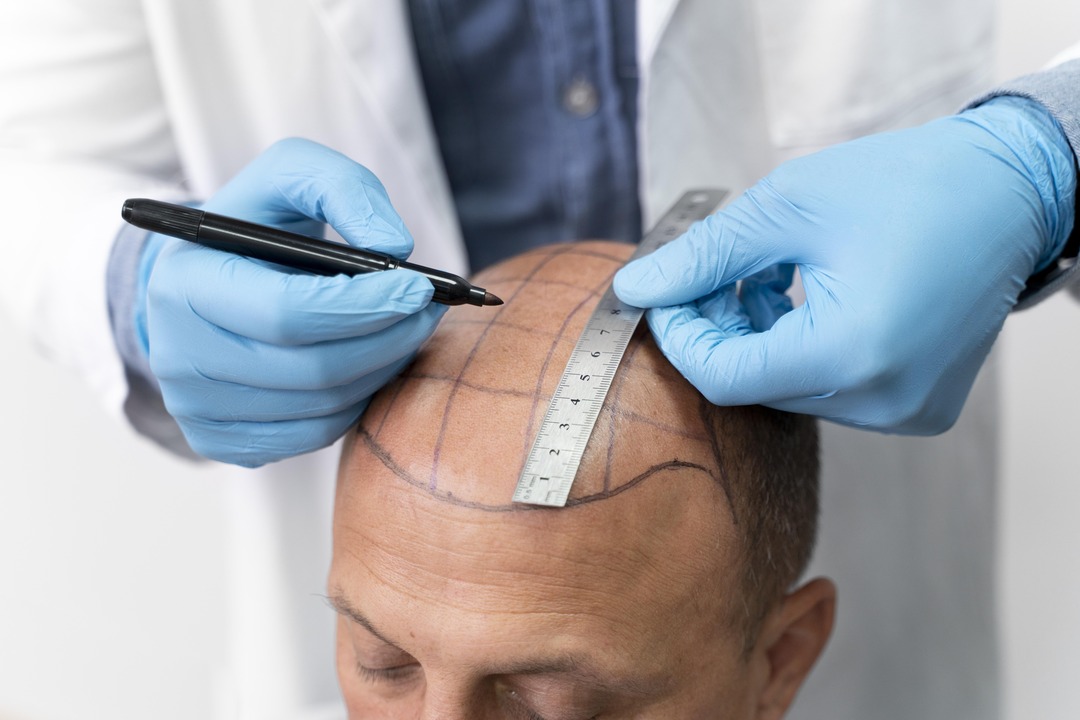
(551, 465)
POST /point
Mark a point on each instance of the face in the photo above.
(616, 609)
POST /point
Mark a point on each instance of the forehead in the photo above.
(635, 580)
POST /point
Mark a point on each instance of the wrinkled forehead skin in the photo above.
(424, 517)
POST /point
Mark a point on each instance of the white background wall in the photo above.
(1040, 550)
(110, 613)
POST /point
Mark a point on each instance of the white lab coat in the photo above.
(106, 99)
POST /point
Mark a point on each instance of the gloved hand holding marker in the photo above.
(257, 363)
(912, 246)
(289, 249)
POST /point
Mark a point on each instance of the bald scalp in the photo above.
(458, 424)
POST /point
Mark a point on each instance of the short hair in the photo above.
(773, 465)
(764, 461)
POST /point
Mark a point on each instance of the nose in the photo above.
(452, 701)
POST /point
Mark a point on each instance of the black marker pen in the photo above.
(290, 249)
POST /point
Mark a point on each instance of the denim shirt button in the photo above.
(581, 98)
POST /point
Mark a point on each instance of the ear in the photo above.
(792, 639)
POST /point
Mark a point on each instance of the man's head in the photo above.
(661, 591)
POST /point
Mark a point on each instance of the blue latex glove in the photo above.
(912, 247)
(257, 363)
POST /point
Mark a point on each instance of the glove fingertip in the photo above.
(627, 283)
(412, 290)
(209, 446)
(676, 273)
(708, 355)
(403, 287)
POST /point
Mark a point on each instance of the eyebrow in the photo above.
(342, 606)
(561, 663)
(579, 668)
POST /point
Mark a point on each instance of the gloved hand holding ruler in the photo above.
(564, 432)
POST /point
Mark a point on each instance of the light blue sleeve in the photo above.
(1058, 90)
(143, 406)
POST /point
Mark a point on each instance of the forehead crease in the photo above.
(478, 596)
(536, 562)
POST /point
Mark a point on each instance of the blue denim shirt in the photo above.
(534, 104)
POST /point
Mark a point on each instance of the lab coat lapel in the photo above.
(374, 41)
(652, 18)
(372, 37)
(703, 119)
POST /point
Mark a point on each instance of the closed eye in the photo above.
(515, 704)
(518, 709)
(398, 673)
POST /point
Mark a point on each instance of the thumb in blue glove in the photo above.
(912, 248)
(258, 363)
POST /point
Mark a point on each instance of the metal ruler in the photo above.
(564, 432)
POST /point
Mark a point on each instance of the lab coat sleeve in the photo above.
(82, 127)
(144, 406)
(1058, 89)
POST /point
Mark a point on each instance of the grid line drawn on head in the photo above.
(521, 282)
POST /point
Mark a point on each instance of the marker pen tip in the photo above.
(490, 299)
